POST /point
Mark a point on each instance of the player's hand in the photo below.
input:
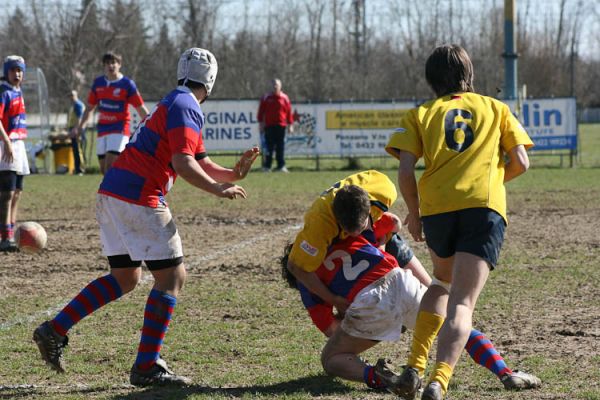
(341, 304)
(7, 153)
(231, 191)
(74, 133)
(397, 223)
(242, 167)
(414, 226)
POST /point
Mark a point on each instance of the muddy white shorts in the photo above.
(144, 233)
(19, 164)
(380, 309)
(114, 142)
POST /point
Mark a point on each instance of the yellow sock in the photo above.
(426, 329)
(442, 374)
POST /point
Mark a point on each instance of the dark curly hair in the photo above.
(285, 272)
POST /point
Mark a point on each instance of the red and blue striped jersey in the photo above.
(12, 111)
(113, 99)
(350, 266)
(143, 173)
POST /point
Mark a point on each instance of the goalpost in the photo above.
(35, 93)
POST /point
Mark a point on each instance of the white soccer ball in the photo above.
(31, 237)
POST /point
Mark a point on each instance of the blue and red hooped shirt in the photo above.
(12, 111)
(143, 173)
(113, 99)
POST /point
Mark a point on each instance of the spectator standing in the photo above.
(274, 116)
(75, 114)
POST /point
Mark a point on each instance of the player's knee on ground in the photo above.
(327, 353)
(337, 364)
(326, 362)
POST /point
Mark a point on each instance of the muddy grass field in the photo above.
(238, 331)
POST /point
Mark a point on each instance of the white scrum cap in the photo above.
(198, 65)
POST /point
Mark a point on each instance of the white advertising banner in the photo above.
(551, 123)
(348, 129)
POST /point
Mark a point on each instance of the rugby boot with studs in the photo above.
(51, 345)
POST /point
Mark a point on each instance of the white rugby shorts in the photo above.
(111, 142)
(145, 233)
(379, 310)
(20, 164)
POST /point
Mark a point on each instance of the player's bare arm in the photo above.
(418, 271)
(189, 169)
(142, 111)
(86, 116)
(518, 163)
(240, 171)
(314, 284)
(408, 187)
(7, 151)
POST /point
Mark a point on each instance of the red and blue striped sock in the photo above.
(157, 316)
(371, 379)
(11, 231)
(483, 352)
(4, 228)
(96, 294)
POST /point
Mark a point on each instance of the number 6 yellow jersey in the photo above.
(463, 139)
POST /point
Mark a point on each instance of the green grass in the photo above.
(239, 333)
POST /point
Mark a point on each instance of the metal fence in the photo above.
(589, 116)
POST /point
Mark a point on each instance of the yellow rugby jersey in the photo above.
(320, 226)
(463, 139)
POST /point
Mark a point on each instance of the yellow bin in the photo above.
(64, 162)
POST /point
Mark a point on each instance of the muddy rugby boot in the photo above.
(433, 391)
(158, 375)
(406, 385)
(51, 345)
(8, 246)
(519, 380)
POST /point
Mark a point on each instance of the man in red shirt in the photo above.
(274, 115)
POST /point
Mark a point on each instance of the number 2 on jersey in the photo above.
(451, 126)
(351, 272)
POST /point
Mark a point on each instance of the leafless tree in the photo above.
(321, 49)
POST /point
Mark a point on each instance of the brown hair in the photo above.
(449, 69)
(110, 56)
(351, 207)
(285, 272)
